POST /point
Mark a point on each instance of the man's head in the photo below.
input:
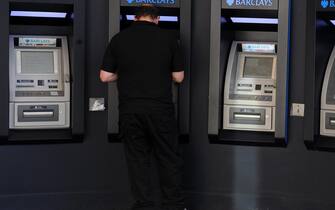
(147, 12)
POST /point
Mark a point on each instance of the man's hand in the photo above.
(107, 76)
(178, 77)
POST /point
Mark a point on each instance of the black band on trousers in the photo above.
(144, 134)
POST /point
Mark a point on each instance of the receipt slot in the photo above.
(43, 73)
(175, 16)
(249, 68)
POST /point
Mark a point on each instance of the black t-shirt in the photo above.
(144, 57)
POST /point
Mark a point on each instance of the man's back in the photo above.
(144, 60)
(144, 56)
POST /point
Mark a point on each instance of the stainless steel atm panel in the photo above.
(327, 115)
(39, 74)
(250, 87)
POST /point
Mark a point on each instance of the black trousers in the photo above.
(146, 136)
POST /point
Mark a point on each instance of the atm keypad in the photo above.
(40, 82)
(258, 87)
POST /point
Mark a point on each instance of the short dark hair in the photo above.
(147, 10)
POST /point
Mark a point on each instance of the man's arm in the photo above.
(106, 76)
(177, 66)
(178, 77)
(108, 69)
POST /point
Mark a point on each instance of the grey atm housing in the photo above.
(222, 39)
(39, 83)
(249, 101)
(327, 113)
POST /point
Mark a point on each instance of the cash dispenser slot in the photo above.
(242, 116)
(247, 116)
(29, 116)
(38, 113)
(329, 122)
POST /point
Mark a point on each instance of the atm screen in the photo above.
(37, 62)
(258, 67)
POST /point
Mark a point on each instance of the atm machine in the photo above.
(250, 87)
(319, 123)
(43, 74)
(39, 73)
(249, 72)
(327, 114)
(176, 17)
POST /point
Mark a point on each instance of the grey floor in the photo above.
(195, 201)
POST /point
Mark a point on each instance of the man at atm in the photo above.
(144, 60)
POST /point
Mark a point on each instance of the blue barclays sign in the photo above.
(159, 3)
(250, 4)
(325, 4)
